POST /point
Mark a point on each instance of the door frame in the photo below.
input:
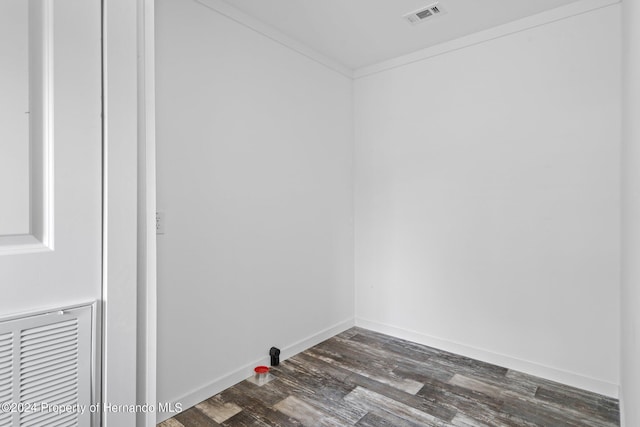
(129, 280)
(146, 316)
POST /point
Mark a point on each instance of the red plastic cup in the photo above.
(261, 370)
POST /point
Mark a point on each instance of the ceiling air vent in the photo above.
(424, 13)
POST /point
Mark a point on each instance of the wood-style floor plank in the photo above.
(253, 405)
(307, 414)
(171, 422)
(193, 417)
(380, 418)
(218, 410)
(243, 419)
(358, 362)
(372, 401)
(366, 379)
(325, 392)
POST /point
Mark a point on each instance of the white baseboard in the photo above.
(245, 371)
(531, 368)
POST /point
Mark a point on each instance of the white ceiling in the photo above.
(358, 33)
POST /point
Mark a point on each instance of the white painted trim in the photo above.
(48, 310)
(543, 18)
(147, 284)
(47, 143)
(96, 368)
(531, 368)
(120, 174)
(621, 407)
(245, 371)
(22, 244)
(269, 32)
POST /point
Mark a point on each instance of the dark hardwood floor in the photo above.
(365, 379)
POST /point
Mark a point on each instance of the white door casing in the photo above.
(120, 296)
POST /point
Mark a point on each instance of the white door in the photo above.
(50, 155)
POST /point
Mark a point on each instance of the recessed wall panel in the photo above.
(14, 118)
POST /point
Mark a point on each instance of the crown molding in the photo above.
(271, 33)
(537, 20)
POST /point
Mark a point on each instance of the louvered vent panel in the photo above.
(6, 376)
(45, 365)
(49, 371)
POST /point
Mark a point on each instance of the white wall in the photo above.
(487, 200)
(254, 170)
(630, 369)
